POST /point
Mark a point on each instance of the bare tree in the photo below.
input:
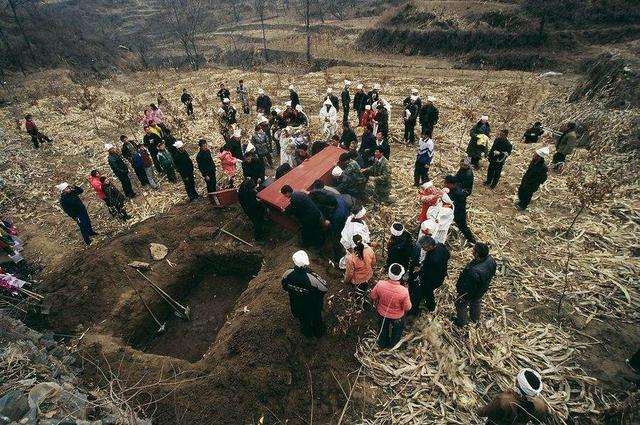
(259, 6)
(13, 5)
(307, 19)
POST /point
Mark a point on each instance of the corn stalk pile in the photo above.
(438, 373)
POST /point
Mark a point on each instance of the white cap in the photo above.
(428, 227)
(327, 102)
(427, 185)
(178, 144)
(249, 148)
(527, 388)
(376, 86)
(237, 133)
(291, 87)
(367, 107)
(62, 186)
(287, 103)
(299, 107)
(484, 118)
(336, 172)
(277, 110)
(543, 152)
(396, 276)
(414, 91)
(260, 91)
(397, 229)
(446, 199)
(329, 90)
(347, 82)
(225, 100)
(301, 258)
(108, 146)
(361, 213)
(431, 98)
(414, 97)
(359, 86)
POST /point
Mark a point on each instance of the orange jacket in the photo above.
(392, 299)
(360, 270)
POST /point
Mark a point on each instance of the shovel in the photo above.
(180, 310)
(162, 327)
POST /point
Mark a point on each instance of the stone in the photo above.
(14, 405)
(140, 265)
(158, 251)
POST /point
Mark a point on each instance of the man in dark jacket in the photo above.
(345, 97)
(206, 165)
(464, 176)
(72, 206)
(429, 115)
(360, 100)
(383, 145)
(472, 284)
(187, 101)
(184, 165)
(352, 181)
(223, 93)
(120, 169)
(293, 97)
(459, 198)
(263, 103)
(382, 118)
(348, 139)
(374, 94)
(306, 295)
(433, 271)
(255, 210)
(308, 215)
(400, 247)
(333, 99)
(128, 149)
(535, 175)
(367, 147)
(476, 148)
(253, 166)
(500, 151)
(412, 106)
(532, 135)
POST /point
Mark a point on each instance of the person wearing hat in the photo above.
(354, 225)
(223, 93)
(392, 303)
(308, 216)
(263, 103)
(243, 95)
(262, 142)
(429, 115)
(332, 98)
(412, 105)
(120, 169)
(306, 295)
(472, 284)
(373, 95)
(228, 114)
(429, 196)
(533, 178)
(565, 146)
(520, 405)
(459, 198)
(73, 206)
(187, 101)
(294, 98)
(345, 98)
(400, 246)
(500, 151)
(379, 173)
(424, 157)
(533, 134)
(184, 165)
(360, 262)
(368, 117)
(206, 165)
(252, 207)
(434, 260)
(478, 145)
(329, 118)
(32, 130)
(360, 100)
(441, 215)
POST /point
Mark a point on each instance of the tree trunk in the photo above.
(308, 30)
(264, 36)
(22, 32)
(11, 52)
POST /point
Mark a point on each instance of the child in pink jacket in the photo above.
(228, 162)
(393, 302)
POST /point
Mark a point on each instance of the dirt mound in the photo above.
(612, 80)
(255, 358)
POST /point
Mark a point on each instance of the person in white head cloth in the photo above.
(336, 172)
(355, 225)
(360, 100)
(374, 94)
(287, 146)
(520, 405)
(345, 98)
(73, 206)
(392, 302)
(412, 105)
(442, 214)
(263, 103)
(535, 175)
(333, 98)
(329, 117)
(306, 295)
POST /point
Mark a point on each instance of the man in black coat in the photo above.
(253, 166)
(464, 176)
(433, 271)
(308, 215)
(400, 247)
(500, 151)
(184, 165)
(120, 169)
(348, 139)
(206, 165)
(187, 101)
(263, 103)
(412, 105)
(223, 93)
(535, 175)
(532, 135)
(459, 198)
(306, 295)
(293, 97)
(345, 97)
(373, 95)
(472, 284)
(382, 118)
(72, 206)
(429, 115)
(333, 99)
(383, 145)
(367, 147)
(255, 210)
(360, 100)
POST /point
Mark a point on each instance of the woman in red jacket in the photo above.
(392, 303)
(94, 181)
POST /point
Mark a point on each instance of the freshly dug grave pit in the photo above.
(210, 301)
